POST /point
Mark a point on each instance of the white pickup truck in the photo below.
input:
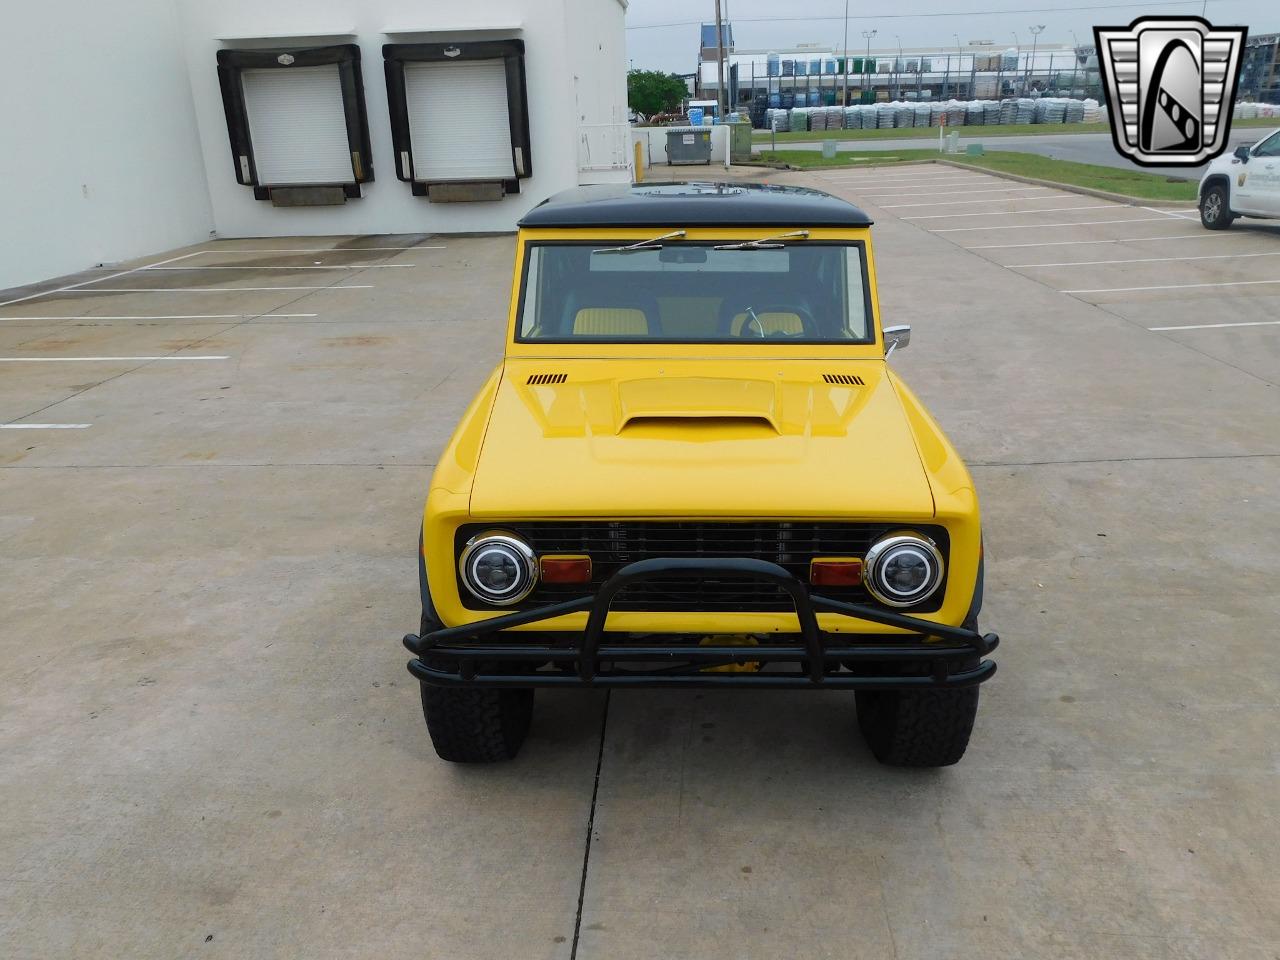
(1245, 183)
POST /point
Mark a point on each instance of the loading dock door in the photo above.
(297, 125)
(459, 121)
(459, 118)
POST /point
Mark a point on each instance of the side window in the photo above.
(1269, 147)
(532, 291)
(856, 290)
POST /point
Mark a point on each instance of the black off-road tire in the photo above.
(917, 728)
(474, 725)
(1215, 208)
(480, 725)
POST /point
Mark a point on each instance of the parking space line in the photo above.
(77, 286)
(1069, 243)
(439, 246)
(960, 203)
(45, 426)
(310, 266)
(899, 178)
(960, 193)
(1009, 213)
(180, 316)
(1046, 226)
(881, 184)
(93, 359)
(345, 286)
(1178, 286)
(1214, 326)
(1091, 263)
(1174, 213)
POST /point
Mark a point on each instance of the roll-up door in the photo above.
(297, 125)
(296, 122)
(458, 120)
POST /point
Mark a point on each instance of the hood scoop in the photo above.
(698, 403)
(848, 379)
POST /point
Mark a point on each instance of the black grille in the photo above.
(613, 544)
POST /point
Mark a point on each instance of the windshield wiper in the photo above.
(654, 244)
(765, 243)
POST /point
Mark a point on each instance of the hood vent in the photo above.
(541, 378)
(847, 379)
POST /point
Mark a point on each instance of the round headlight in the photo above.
(903, 569)
(498, 568)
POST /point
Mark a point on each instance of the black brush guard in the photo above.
(935, 656)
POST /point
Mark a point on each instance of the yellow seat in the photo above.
(610, 322)
(788, 323)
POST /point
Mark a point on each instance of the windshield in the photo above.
(676, 290)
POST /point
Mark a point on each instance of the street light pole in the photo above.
(897, 71)
(844, 96)
(1031, 64)
(959, 62)
(1075, 62)
(867, 35)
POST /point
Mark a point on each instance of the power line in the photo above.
(925, 16)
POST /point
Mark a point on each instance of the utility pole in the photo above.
(720, 92)
(844, 97)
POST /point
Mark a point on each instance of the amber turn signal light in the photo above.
(835, 572)
(565, 569)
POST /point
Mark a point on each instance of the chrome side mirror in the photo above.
(896, 338)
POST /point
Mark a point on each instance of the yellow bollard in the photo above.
(638, 163)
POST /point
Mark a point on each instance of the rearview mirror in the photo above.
(1242, 153)
(678, 253)
(895, 338)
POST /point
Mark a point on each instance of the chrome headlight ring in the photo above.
(903, 569)
(498, 567)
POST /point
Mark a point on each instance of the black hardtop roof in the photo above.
(694, 204)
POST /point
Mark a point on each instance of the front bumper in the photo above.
(931, 656)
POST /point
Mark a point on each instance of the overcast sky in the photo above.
(778, 23)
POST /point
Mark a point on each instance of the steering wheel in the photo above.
(753, 324)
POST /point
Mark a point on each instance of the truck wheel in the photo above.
(1215, 208)
(917, 728)
(477, 725)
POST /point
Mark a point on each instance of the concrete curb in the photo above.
(1070, 188)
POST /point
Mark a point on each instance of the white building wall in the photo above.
(553, 32)
(99, 154)
(599, 77)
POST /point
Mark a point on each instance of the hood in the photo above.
(686, 438)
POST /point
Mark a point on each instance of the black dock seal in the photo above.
(231, 63)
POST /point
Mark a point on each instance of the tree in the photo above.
(651, 91)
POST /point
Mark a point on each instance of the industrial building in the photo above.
(171, 121)
(1260, 69)
(817, 75)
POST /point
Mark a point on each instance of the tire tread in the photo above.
(925, 728)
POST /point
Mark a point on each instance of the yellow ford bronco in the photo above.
(695, 468)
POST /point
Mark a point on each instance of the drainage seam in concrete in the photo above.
(591, 826)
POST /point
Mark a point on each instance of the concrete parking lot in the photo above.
(212, 467)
